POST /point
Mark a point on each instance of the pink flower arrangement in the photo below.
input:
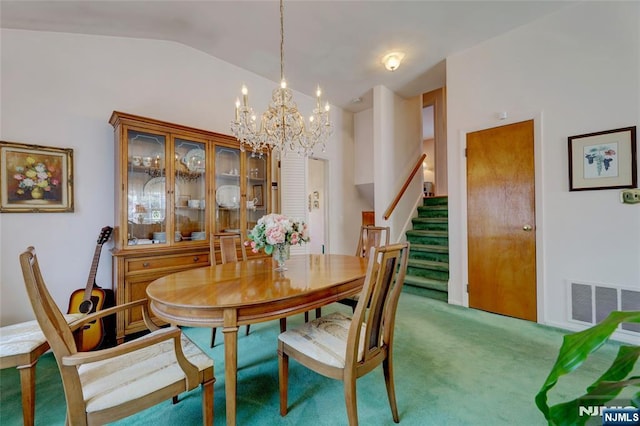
(276, 229)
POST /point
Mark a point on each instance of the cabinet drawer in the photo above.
(157, 263)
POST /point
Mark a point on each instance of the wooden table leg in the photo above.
(28, 387)
(230, 332)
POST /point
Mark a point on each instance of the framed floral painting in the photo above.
(603, 160)
(35, 179)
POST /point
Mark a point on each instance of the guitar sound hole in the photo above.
(88, 306)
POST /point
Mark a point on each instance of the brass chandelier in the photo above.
(282, 128)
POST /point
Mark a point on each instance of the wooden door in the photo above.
(501, 220)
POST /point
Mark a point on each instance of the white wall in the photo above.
(363, 134)
(60, 89)
(397, 145)
(576, 71)
(363, 160)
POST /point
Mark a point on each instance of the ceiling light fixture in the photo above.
(392, 60)
(282, 127)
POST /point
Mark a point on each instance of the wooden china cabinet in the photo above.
(174, 185)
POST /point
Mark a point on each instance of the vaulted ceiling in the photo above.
(336, 44)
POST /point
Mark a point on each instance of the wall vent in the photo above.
(591, 303)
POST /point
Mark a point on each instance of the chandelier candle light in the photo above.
(282, 127)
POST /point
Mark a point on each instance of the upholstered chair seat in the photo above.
(324, 339)
(114, 381)
(21, 345)
(24, 337)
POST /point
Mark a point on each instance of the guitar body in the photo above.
(101, 333)
(93, 333)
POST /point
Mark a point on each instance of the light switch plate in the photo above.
(630, 196)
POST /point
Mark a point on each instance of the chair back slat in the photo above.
(228, 245)
(371, 236)
(376, 309)
(52, 322)
(376, 306)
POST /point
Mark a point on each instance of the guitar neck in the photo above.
(105, 233)
(92, 273)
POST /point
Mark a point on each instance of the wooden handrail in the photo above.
(395, 202)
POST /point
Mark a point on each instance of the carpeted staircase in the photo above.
(428, 269)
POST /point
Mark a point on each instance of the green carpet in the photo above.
(453, 366)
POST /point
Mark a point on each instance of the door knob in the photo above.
(527, 228)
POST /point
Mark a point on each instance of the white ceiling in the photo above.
(336, 44)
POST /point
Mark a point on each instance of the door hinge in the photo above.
(467, 288)
(465, 152)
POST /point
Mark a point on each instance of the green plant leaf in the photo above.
(575, 349)
(621, 366)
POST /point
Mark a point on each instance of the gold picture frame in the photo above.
(603, 160)
(35, 178)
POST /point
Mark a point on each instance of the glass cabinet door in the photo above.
(190, 190)
(227, 210)
(256, 175)
(146, 188)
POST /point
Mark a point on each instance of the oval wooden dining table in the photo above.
(252, 291)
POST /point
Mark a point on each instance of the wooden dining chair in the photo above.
(109, 384)
(370, 236)
(346, 348)
(224, 247)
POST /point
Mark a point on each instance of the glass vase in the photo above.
(280, 255)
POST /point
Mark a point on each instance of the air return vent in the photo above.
(630, 301)
(591, 303)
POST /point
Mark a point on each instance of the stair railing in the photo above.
(394, 203)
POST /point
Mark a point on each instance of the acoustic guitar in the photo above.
(93, 298)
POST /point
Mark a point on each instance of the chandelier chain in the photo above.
(281, 128)
(281, 40)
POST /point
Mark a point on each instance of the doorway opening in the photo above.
(434, 139)
(317, 205)
(428, 148)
